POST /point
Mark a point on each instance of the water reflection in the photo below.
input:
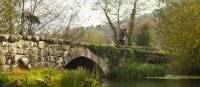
(153, 83)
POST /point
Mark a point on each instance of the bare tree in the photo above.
(132, 23)
(22, 18)
(137, 7)
(113, 10)
(73, 17)
(44, 12)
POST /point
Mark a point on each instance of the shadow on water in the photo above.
(152, 83)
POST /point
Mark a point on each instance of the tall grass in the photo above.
(78, 78)
(46, 77)
(129, 71)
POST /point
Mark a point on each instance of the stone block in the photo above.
(13, 38)
(41, 44)
(4, 37)
(67, 42)
(59, 53)
(4, 44)
(35, 38)
(43, 53)
(26, 37)
(24, 60)
(32, 44)
(16, 58)
(52, 59)
(4, 50)
(2, 59)
(13, 51)
(66, 53)
(42, 38)
(6, 67)
(19, 44)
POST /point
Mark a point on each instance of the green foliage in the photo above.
(179, 23)
(143, 38)
(3, 79)
(133, 70)
(115, 54)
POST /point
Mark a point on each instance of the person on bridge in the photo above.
(122, 36)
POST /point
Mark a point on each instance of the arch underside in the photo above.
(86, 59)
(83, 62)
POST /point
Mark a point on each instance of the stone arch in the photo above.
(81, 54)
(84, 62)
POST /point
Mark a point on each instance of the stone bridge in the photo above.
(34, 51)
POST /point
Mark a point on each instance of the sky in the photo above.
(89, 17)
(96, 17)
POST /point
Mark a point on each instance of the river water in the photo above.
(153, 83)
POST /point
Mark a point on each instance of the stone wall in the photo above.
(27, 51)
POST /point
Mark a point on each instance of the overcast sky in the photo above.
(90, 17)
(97, 17)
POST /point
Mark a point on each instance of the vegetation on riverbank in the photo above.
(179, 23)
(49, 78)
(129, 71)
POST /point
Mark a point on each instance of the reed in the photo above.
(129, 71)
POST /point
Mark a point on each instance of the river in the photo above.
(152, 83)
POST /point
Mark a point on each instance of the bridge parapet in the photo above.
(28, 51)
(116, 54)
(19, 50)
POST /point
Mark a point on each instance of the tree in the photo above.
(113, 10)
(38, 14)
(8, 16)
(132, 23)
(143, 38)
(107, 7)
(136, 7)
(73, 17)
(179, 25)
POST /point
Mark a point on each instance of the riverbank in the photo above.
(45, 77)
(176, 77)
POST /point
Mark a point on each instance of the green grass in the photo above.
(46, 77)
(129, 71)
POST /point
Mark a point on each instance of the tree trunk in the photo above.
(22, 19)
(115, 34)
(132, 25)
